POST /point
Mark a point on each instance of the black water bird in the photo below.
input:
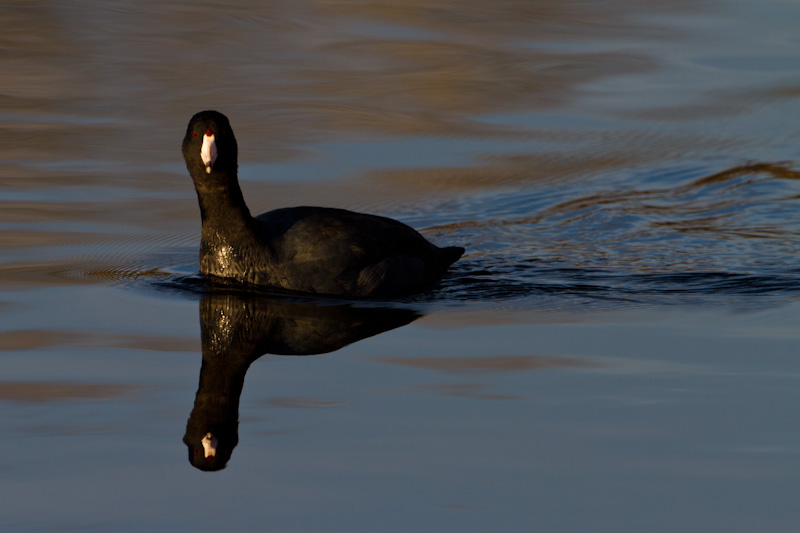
(314, 250)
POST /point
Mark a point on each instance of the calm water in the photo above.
(618, 350)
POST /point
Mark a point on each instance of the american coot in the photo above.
(316, 250)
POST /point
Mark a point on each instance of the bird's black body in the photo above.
(317, 250)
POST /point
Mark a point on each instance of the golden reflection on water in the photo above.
(113, 82)
(51, 391)
(36, 339)
(118, 81)
(486, 364)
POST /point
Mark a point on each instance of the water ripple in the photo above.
(715, 237)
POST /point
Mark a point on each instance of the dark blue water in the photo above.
(617, 350)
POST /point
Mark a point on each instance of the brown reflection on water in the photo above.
(35, 339)
(597, 154)
(487, 364)
(117, 81)
(54, 391)
(434, 87)
(35, 239)
(437, 69)
(550, 19)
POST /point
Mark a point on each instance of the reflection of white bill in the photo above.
(209, 445)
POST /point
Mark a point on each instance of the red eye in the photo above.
(195, 134)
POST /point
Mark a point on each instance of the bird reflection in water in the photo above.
(238, 328)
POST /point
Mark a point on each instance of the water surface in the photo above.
(617, 351)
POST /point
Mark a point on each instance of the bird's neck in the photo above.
(222, 206)
(228, 231)
(221, 384)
